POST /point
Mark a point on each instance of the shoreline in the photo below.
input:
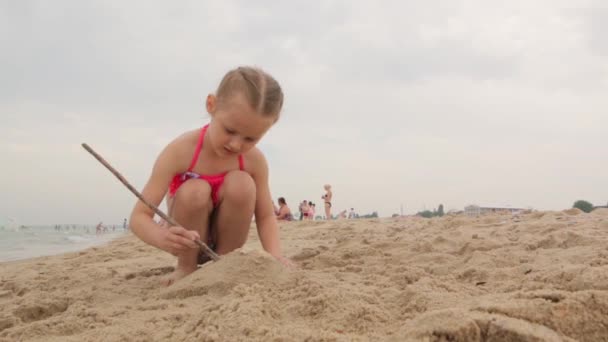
(105, 239)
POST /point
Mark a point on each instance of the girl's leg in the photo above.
(328, 211)
(232, 217)
(191, 207)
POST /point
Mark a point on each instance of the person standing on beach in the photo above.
(214, 178)
(351, 213)
(311, 211)
(327, 199)
(304, 208)
(301, 209)
(100, 228)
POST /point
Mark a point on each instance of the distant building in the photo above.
(476, 210)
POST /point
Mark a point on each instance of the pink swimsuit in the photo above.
(215, 181)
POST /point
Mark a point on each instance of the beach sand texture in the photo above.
(541, 276)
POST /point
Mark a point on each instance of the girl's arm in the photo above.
(266, 220)
(142, 222)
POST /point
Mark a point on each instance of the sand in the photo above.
(542, 276)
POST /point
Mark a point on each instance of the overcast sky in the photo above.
(411, 103)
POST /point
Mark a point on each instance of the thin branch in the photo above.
(214, 256)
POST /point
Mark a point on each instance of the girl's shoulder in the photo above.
(179, 151)
(255, 160)
(185, 142)
(188, 137)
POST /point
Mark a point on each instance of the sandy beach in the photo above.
(541, 276)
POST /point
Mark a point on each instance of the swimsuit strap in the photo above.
(199, 146)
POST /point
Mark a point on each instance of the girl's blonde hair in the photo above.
(262, 91)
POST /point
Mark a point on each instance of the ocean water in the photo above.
(22, 243)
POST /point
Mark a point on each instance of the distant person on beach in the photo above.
(311, 210)
(300, 210)
(284, 212)
(124, 224)
(351, 213)
(304, 209)
(100, 228)
(214, 178)
(327, 199)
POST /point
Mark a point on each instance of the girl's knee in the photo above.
(194, 195)
(239, 185)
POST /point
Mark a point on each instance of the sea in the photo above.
(24, 242)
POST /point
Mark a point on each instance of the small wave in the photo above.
(77, 238)
(14, 246)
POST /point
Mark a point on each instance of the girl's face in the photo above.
(235, 127)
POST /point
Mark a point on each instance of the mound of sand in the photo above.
(495, 278)
(573, 211)
(600, 212)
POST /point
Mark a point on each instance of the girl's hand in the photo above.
(286, 262)
(177, 240)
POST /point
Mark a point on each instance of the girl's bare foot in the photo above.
(179, 273)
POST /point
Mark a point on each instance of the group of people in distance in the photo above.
(306, 209)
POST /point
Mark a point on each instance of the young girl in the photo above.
(214, 177)
(327, 199)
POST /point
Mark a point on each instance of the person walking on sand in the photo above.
(327, 199)
(284, 213)
(214, 178)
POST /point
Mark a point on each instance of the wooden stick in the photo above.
(214, 256)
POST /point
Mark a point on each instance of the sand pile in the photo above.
(600, 212)
(573, 211)
(536, 277)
